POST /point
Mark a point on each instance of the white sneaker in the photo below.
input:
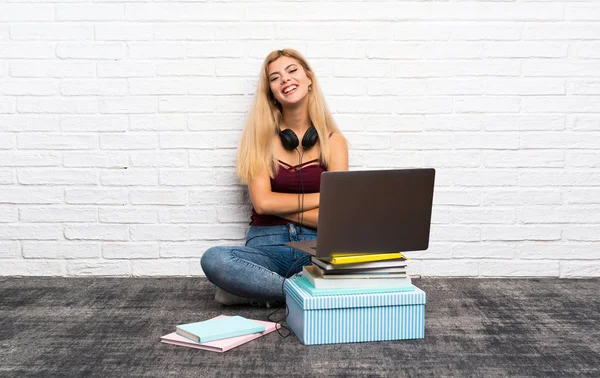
(228, 299)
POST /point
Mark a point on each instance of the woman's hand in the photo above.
(308, 218)
(266, 201)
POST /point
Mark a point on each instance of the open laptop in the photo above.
(372, 212)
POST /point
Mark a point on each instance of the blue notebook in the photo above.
(310, 289)
(219, 328)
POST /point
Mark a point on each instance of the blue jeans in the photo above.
(257, 270)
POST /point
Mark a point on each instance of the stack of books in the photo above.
(219, 334)
(356, 274)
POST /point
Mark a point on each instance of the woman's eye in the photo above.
(275, 78)
(294, 70)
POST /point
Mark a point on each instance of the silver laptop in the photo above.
(372, 212)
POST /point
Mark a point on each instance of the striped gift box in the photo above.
(355, 318)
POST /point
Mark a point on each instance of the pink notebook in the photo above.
(219, 345)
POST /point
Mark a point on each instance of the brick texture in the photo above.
(119, 122)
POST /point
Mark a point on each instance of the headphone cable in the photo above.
(301, 205)
(284, 305)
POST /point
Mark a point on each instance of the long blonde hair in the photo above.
(255, 154)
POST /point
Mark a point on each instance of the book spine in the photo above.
(364, 258)
(227, 335)
(187, 335)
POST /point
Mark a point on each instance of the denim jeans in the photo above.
(257, 270)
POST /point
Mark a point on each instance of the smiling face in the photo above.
(288, 81)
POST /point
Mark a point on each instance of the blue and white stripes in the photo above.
(355, 318)
(309, 302)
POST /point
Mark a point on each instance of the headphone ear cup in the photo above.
(310, 138)
(289, 139)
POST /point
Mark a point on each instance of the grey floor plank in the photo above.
(69, 327)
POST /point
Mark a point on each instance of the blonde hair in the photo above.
(255, 154)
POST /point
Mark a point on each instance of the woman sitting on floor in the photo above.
(289, 139)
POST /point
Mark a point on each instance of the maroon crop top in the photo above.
(287, 180)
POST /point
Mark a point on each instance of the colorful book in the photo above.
(319, 281)
(361, 258)
(219, 328)
(361, 273)
(222, 345)
(309, 288)
(317, 272)
(365, 265)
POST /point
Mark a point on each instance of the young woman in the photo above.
(289, 139)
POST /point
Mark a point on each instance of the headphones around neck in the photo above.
(290, 142)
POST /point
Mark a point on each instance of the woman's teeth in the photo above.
(290, 89)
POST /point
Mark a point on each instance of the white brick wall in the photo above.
(119, 122)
